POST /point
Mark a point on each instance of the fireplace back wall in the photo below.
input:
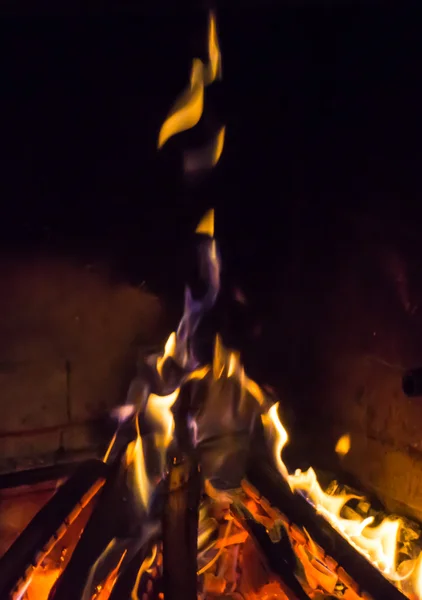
(316, 197)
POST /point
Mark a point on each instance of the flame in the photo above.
(39, 586)
(146, 564)
(198, 373)
(205, 157)
(110, 447)
(218, 146)
(206, 224)
(106, 589)
(169, 351)
(274, 427)
(377, 544)
(135, 458)
(187, 111)
(214, 70)
(343, 445)
(220, 358)
(158, 411)
(417, 577)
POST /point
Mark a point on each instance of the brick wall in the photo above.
(69, 340)
(355, 326)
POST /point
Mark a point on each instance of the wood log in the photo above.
(273, 487)
(27, 551)
(180, 531)
(112, 518)
(278, 556)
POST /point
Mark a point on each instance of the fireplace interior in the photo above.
(270, 447)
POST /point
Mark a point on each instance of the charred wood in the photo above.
(271, 485)
(113, 518)
(180, 531)
(31, 546)
(279, 556)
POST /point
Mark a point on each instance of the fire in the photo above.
(188, 109)
(223, 541)
(214, 68)
(169, 351)
(276, 431)
(343, 445)
(225, 544)
(418, 577)
(135, 459)
(378, 544)
(146, 564)
(158, 411)
(206, 224)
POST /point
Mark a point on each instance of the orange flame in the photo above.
(206, 224)
(146, 564)
(188, 109)
(417, 577)
(169, 351)
(377, 544)
(214, 70)
(343, 445)
(135, 459)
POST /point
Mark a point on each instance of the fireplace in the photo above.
(193, 495)
(185, 501)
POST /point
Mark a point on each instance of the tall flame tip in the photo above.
(206, 224)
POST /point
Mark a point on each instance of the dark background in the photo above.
(322, 106)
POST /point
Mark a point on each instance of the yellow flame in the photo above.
(274, 427)
(110, 448)
(206, 224)
(214, 54)
(343, 445)
(169, 350)
(187, 110)
(198, 373)
(111, 580)
(158, 410)
(135, 458)
(146, 564)
(417, 577)
(377, 544)
(103, 590)
(218, 146)
(220, 358)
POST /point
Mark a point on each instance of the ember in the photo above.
(178, 507)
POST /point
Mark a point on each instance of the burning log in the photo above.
(50, 524)
(364, 578)
(280, 556)
(180, 531)
(116, 518)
